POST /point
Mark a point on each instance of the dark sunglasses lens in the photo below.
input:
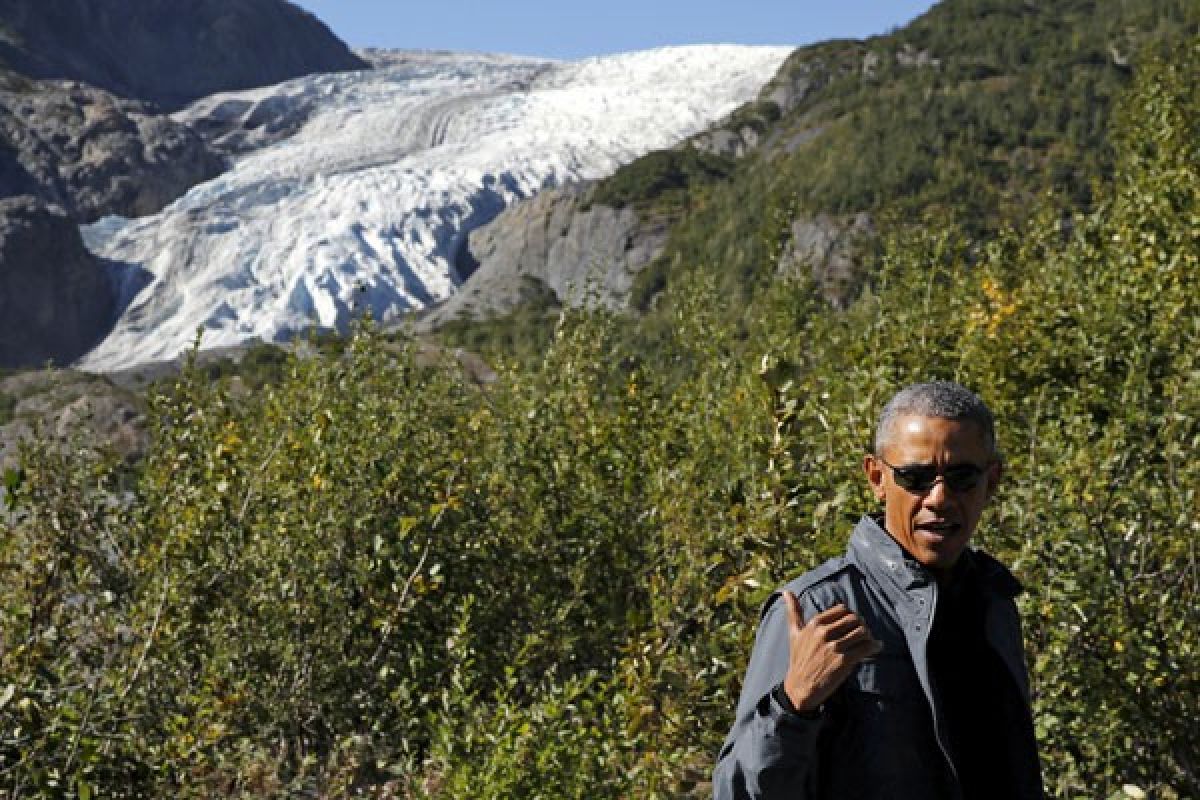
(961, 479)
(921, 477)
(917, 478)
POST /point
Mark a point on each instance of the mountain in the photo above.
(959, 121)
(82, 88)
(167, 52)
(366, 205)
(397, 190)
(93, 153)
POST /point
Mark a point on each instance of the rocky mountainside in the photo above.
(959, 121)
(82, 88)
(555, 248)
(93, 153)
(69, 154)
(55, 301)
(165, 51)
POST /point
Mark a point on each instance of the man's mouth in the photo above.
(939, 528)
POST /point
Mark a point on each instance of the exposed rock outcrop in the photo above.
(555, 248)
(558, 247)
(56, 301)
(70, 153)
(93, 153)
(165, 51)
(749, 126)
(831, 249)
(62, 404)
(909, 56)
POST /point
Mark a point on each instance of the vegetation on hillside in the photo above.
(663, 176)
(964, 117)
(373, 577)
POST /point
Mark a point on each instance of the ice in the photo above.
(364, 203)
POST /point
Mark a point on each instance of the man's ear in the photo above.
(873, 468)
(994, 473)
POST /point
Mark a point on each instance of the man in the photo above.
(896, 671)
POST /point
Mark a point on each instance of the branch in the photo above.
(162, 601)
(403, 598)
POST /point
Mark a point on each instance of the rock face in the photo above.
(165, 51)
(66, 145)
(559, 248)
(93, 153)
(555, 248)
(60, 405)
(750, 127)
(830, 249)
(56, 301)
(70, 153)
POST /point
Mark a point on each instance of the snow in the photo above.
(354, 191)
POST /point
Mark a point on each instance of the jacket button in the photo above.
(918, 628)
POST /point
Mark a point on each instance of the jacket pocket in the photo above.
(885, 677)
(884, 730)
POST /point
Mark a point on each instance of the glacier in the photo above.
(354, 191)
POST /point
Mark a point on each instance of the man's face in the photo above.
(934, 524)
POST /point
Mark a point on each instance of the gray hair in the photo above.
(941, 399)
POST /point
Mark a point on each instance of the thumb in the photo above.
(795, 616)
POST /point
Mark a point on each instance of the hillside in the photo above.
(964, 117)
(167, 52)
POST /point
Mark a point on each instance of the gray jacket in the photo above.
(882, 734)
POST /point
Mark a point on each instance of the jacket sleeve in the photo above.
(771, 752)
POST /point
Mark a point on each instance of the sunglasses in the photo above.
(920, 478)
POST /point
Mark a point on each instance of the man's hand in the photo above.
(823, 652)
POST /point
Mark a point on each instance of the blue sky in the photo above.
(574, 29)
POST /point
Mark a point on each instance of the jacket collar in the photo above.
(881, 558)
(891, 567)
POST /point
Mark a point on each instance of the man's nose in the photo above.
(936, 495)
